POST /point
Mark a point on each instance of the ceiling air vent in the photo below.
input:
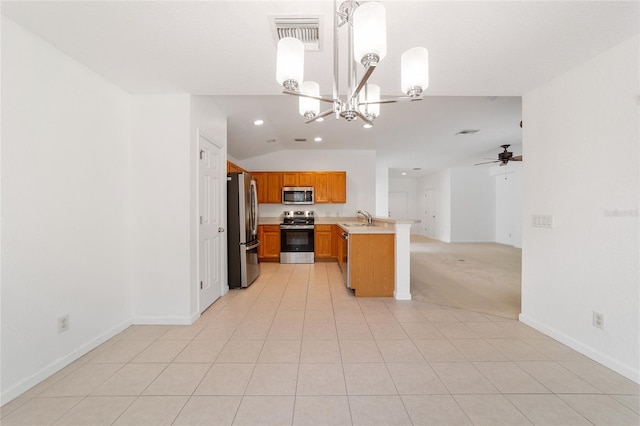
(304, 28)
(467, 132)
(300, 139)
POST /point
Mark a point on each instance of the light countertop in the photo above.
(352, 225)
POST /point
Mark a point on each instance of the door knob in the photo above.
(221, 229)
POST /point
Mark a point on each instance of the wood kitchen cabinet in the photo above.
(336, 236)
(306, 179)
(274, 187)
(269, 185)
(372, 264)
(269, 248)
(290, 179)
(298, 179)
(331, 187)
(323, 242)
(233, 168)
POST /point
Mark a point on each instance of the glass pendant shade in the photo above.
(290, 62)
(309, 107)
(414, 71)
(369, 31)
(371, 93)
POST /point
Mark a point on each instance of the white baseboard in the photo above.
(585, 350)
(151, 320)
(402, 296)
(59, 364)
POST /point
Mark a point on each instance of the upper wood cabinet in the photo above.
(338, 187)
(329, 187)
(298, 179)
(232, 168)
(306, 179)
(290, 179)
(274, 187)
(269, 186)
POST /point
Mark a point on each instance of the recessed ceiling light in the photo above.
(404, 173)
(467, 132)
(258, 122)
(318, 139)
(320, 119)
(367, 125)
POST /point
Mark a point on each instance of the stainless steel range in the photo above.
(297, 237)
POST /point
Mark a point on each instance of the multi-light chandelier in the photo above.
(367, 43)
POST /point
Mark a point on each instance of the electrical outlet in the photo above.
(63, 323)
(598, 320)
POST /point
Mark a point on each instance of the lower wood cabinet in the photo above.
(269, 248)
(372, 264)
(323, 242)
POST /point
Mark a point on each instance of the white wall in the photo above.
(65, 138)
(160, 184)
(508, 182)
(382, 189)
(473, 208)
(581, 166)
(441, 182)
(409, 186)
(359, 165)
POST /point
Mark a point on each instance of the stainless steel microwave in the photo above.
(297, 195)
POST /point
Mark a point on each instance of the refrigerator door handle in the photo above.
(253, 207)
(253, 245)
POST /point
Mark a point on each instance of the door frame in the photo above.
(223, 216)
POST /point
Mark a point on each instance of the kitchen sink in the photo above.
(354, 224)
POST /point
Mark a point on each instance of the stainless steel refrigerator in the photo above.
(242, 226)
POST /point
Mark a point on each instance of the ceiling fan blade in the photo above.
(393, 100)
(322, 114)
(307, 95)
(516, 158)
(487, 162)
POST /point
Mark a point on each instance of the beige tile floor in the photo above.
(297, 348)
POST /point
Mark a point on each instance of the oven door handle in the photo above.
(296, 227)
(252, 246)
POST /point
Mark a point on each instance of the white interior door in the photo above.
(430, 219)
(211, 231)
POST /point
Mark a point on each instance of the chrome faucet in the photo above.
(367, 215)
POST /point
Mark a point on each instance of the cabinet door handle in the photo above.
(221, 229)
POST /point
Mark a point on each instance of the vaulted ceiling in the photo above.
(483, 56)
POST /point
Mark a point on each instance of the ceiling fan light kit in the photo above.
(367, 44)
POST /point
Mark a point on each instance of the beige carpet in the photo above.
(481, 277)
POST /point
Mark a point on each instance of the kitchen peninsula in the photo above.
(393, 234)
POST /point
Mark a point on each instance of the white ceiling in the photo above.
(478, 50)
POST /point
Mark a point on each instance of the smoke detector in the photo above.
(304, 28)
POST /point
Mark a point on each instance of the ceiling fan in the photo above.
(503, 157)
